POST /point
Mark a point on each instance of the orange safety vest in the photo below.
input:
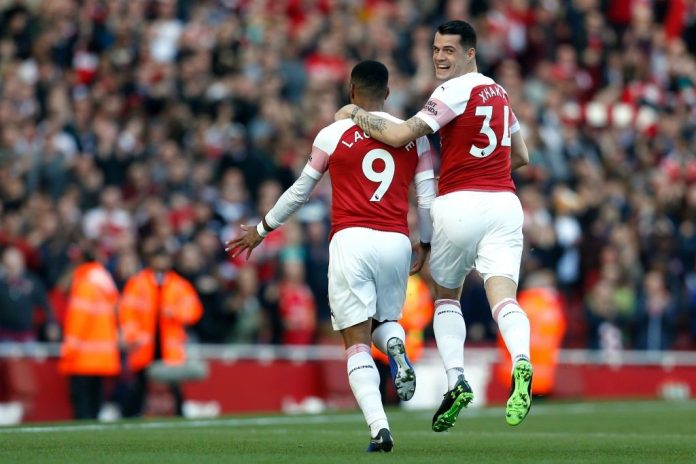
(416, 315)
(90, 343)
(544, 308)
(178, 305)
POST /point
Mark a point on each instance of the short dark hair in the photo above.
(466, 33)
(371, 78)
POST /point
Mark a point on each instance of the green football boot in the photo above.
(454, 401)
(520, 393)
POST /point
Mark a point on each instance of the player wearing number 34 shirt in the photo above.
(477, 218)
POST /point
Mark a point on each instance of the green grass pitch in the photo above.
(612, 432)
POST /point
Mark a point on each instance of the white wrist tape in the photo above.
(261, 229)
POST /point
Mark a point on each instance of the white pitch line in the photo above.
(159, 425)
(523, 434)
(540, 410)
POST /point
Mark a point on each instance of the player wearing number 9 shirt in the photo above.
(369, 250)
(477, 217)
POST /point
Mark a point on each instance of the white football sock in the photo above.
(514, 328)
(385, 332)
(364, 381)
(450, 334)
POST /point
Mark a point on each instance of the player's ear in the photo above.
(386, 94)
(351, 91)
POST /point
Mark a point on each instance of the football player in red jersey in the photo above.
(477, 218)
(369, 250)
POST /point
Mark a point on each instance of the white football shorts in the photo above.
(368, 272)
(473, 229)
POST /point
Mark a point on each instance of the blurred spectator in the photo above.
(607, 326)
(22, 294)
(250, 320)
(316, 255)
(106, 223)
(293, 301)
(127, 264)
(656, 314)
(90, 350)
(156, 306)
(192, 265)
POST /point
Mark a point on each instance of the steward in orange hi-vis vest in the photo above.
(156, 305)
(90, 345)
(172, 303)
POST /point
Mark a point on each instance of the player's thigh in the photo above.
(352, 293)
(500, 250)
(457, 229)
(393, 258)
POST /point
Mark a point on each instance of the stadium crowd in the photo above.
(129, 125)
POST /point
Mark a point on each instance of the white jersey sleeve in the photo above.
(293, 198)
(425, 176)
(425, 188)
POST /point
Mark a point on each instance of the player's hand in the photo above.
(248, 242)
(421, 251)
(345, 112)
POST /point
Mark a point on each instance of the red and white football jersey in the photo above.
(369, 179)
(476, 122)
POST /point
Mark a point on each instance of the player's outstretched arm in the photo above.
(384, 130)
(290, 201)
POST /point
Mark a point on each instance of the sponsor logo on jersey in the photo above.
(431, 107)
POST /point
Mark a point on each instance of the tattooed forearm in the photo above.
(418, 127)
(386, 131)
(369, 122)
(361, 119)
(377, 124)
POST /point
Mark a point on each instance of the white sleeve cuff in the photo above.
(425, 225)
(261, 229)
(430, 121)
